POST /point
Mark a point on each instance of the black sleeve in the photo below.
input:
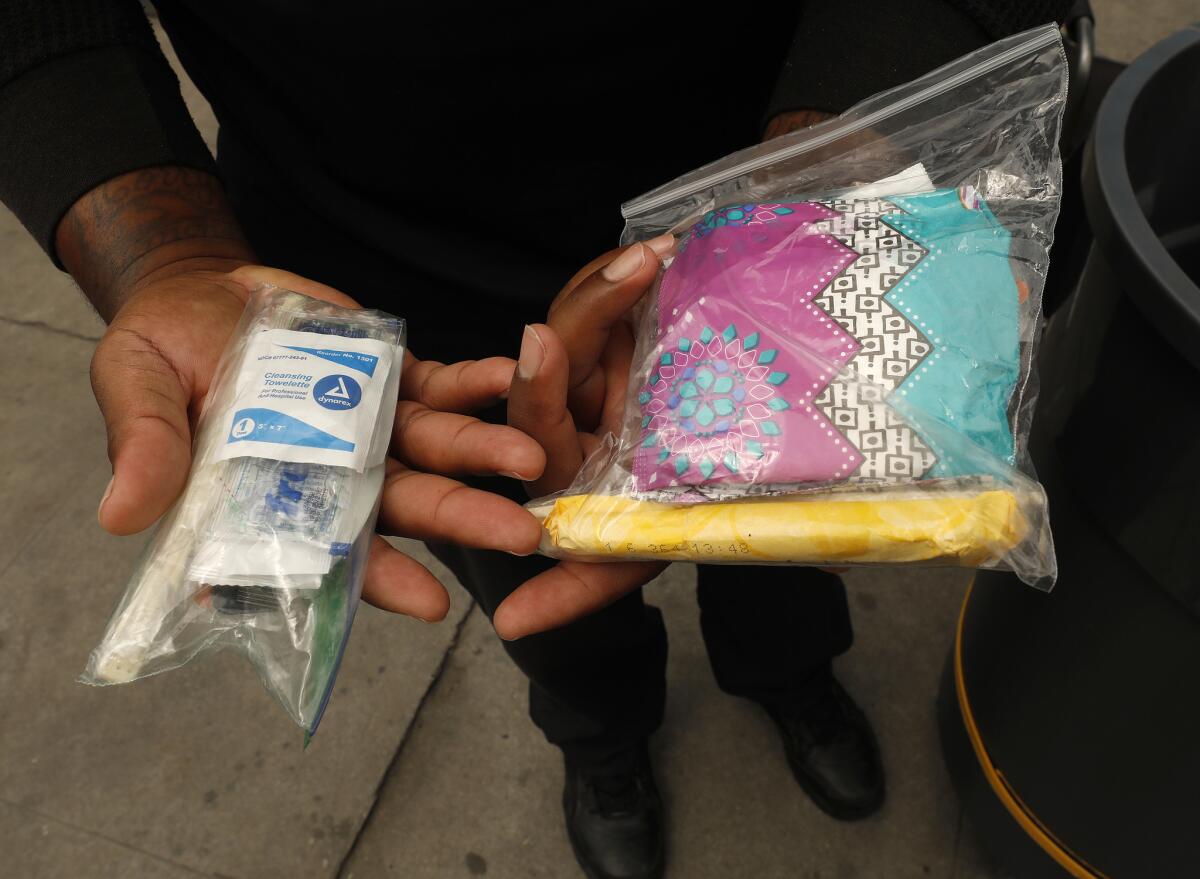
(844, 52)
(85, 95)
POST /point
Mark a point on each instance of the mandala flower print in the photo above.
(732, 405)
(708, 404)
(735, 215)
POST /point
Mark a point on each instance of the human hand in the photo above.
(153, 369)
(159, 253)
(567, 393)
(794, 120)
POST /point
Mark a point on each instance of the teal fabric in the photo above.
(964, 298)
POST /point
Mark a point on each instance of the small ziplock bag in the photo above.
(266, 548)
(834, 364)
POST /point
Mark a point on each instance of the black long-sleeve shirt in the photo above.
(463, 159)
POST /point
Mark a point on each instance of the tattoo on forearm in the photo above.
(112, 235)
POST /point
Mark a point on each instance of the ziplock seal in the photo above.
(829, 132)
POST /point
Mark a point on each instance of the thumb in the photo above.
(584, 313)
(566, 592)
(145, 407)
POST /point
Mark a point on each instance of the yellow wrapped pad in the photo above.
(965, 529)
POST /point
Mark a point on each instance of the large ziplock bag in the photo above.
(834, 365)
(266, 548)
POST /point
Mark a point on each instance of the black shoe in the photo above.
(831, 749)
(615, 821)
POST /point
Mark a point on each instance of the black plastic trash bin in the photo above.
(1071, 721)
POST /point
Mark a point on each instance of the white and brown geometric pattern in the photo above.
(892, 347)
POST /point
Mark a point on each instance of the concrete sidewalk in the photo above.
(426, 765)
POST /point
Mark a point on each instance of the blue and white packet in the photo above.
(266, 548)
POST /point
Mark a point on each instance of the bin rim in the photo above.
(1165, 295)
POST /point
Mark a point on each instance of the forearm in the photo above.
(144, 223)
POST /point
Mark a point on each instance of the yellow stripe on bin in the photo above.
(1022, 814)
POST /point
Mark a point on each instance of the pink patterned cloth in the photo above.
(742, 352)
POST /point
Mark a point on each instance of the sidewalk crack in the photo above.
(94, 834)
(408, 731)
(958, 835)
(49, 328)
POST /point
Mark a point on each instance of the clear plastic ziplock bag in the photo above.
(834, 365)
(266, 548)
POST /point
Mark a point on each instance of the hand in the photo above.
(794, 120)
(154, 366)
(567, 393)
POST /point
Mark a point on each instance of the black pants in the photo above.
(597, 685)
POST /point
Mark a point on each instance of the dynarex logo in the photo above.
(337, 392)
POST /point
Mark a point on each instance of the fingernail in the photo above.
(662, 245)
(513, 474)
(104, 499)
(533, 352)
(625, 265)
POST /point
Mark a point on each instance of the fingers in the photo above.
(585, 313)
(251, 277)
(567, 592)
(448, 443)
(598, 403)
(144, 405)
(614, 363)
(589, 306)
(457, 387)
(584, 273)
(537, 406)
(428, 507)
(399, 584)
